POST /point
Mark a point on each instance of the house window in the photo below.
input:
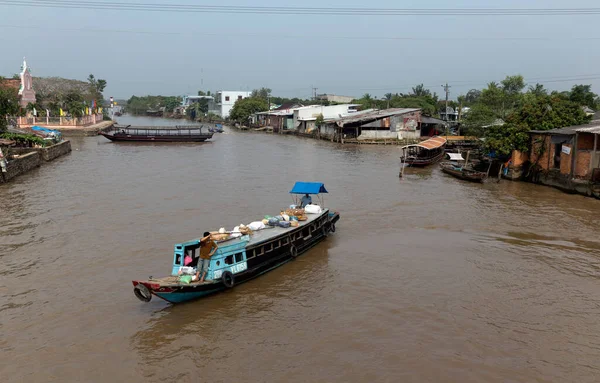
(226, 98)
(239, 97)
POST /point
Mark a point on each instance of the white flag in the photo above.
(34, 112)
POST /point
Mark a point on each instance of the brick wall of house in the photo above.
(537, 142)
(565, 160)
(585, 141)
(582, 164)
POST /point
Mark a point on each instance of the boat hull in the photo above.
(157, 138)
(466, 175)
(257, 266)
(417, 162)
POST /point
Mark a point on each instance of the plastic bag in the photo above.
(185, 279)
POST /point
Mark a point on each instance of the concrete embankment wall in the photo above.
(31, 158)
(21, 165)
(48, 153)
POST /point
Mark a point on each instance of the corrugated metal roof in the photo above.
(593, 127)
(432, 120)
(374, 115)
(432, 143)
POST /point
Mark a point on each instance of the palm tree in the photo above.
(388, 97)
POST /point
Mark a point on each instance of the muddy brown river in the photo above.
(427, 279)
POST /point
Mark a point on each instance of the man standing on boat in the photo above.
(306, 200)
(208, 248)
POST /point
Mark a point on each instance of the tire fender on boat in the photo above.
(325, 230)
(142, 293)
(293, 252)
(228, 279)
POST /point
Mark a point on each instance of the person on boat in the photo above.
(306, 200)
(208, 247)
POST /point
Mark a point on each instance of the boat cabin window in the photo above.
(239, 257)
(229, 260)
(269, 247)
(277, 244)
(285, 241)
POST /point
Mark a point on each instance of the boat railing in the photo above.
(159, 131)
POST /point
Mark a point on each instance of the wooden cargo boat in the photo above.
(157, 134)
(238, 260)
(455, 168)
(424, 153)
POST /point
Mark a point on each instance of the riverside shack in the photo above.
(567, 158)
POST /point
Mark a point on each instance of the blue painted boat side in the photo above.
(188, 296)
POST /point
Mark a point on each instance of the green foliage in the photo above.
(27, 140)
(9, 105)
(583, 96)
(244, 108)
(535, 113)
(139, 105)
(96, 87)
(480, 115)
(320, 120)
(262, 93)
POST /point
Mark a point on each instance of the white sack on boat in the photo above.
(255, 226)
(313, 209)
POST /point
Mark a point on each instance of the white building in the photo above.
(226, 99)
(305, 117)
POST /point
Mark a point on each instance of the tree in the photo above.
(388, 98)
(479, 116)
(420, 91)
(96, 87)
(472, 97)
(537, 90)
(262, 93)
(244, 108)
(9, 105)
(320, 120)
(539, 113)
(583, 95)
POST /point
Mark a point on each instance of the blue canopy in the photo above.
(45, 130)
(308, 188)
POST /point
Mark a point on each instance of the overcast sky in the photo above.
(179, 53)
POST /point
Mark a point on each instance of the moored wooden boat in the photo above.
(424, 153)
(156, 134)
(462, 172)
(240, 259)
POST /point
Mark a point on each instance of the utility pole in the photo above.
(447, 90)
(315, 93)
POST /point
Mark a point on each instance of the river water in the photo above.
(427, 279)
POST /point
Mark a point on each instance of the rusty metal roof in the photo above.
(374, 115)
(432, 143)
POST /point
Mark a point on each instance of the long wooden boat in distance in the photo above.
(239, 259)
(157, 134)
(424, 153)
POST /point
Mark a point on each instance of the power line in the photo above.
(271, 10)
(288, 36)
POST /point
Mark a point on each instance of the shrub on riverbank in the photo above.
(25, 140)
